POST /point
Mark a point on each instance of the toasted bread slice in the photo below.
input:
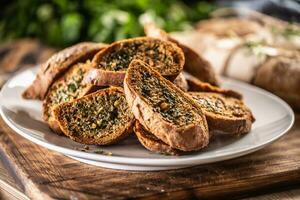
(223, 113)
(194, 63)
(66, 88)
(57, 64)
(152, 143)
(100, 118)
(112, 62)
(165, 110)
(195, 85)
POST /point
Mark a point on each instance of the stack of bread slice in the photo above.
(99, 94)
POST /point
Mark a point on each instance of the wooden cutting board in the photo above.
(43, 174)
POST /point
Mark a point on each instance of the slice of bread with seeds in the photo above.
(66, 88)
(152, 143)
(224, 113)
(100, 118)
(57, 64)
(164, 109)
(112, 62)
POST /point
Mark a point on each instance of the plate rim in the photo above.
(178, 161)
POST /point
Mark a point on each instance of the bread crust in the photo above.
(54, 126)
(181, 82)
(193, 136)
(152, 143)
(53, 123)
(224, 122)
(57, 65)
(104, 140)
(47, 106)
(194, 63)
(104, 77)
(281, 75)
(227, 27)
(195, 85)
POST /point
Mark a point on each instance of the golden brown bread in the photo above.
(223, 113)
(165, 110)
(100, 118)
(194, 63)
(152, 143)
(281, 75)
(112, 62)
(181, 82)
(66, 88)
(57, 65)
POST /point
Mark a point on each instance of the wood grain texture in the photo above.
(20, 54)
(10, 188)
(286, 195)
(48, 175)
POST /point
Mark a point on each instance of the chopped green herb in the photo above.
(173, 107)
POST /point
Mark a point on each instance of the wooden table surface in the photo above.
(43, 174)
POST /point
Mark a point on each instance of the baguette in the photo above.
(100, 118)
(112, 62)
(223, 113)
(281, 75)
(222, 28)
(165, 110)
(152, 143)
(57, 64)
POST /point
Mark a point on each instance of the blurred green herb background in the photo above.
(63, 22)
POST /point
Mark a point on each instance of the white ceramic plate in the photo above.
(273, 119)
